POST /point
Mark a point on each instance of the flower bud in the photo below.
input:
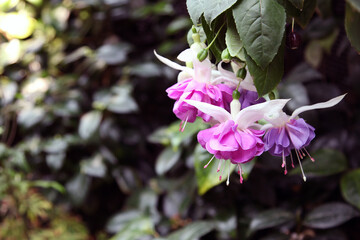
(236, 94)
(202, 55)
(272, 96)
(241, 73)
(225, 55)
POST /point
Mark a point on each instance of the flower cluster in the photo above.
(232, 107)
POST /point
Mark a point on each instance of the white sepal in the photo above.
(327, 104)
(253, 113)
(174, 65)
(219, 114)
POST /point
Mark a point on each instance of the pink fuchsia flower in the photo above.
(234, 137)
(199, 86)
(285, 133)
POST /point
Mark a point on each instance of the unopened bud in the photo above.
(225, 55)
(202, 55)
(241, 73)
(236, 94)
(193, 29)
(272, 95)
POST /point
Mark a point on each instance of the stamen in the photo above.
(302, 171)
(183, 128)
(292, 161)
(299, 154)
(227, 181)
(303, 154)
(222, 171)
(312, 159)
(284, 163)
(240, 173)
(219, 165)
(209, 162)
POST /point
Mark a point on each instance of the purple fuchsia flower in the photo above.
(285, 133)
(198, 84)
(235, 136)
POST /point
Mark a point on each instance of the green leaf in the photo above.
(270, 218)
(330, 215)
(129, 225)
(213, 8)
(299, 4)
(77, 188)
(352, 19)
(355, 4)
(208, 178)
(215, 48)
(350, 187)
(261, 26)
(195, 9)
(166, 160)
(113, 54)
(171, 135)
(267, 79)
(94, 166)
(232, 38)
(89, 123)
(193, 231)
(327, 162)
(48, 184)
(302, 17)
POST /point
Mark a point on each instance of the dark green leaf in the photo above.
(352, 19)
(166, 160)
(350, 187)
(215, 48)
(266, 80)
(302, 17)
(271, 218)
(113, 53)
(213, 8)
(94, 166)
(330, 215)
(77, 188)
(261, 26)
(195, 9)
(129, 225)
(298, 3)
(48, 184)
(89, 123)
(232, 38)
(355, 4)
(55, 160)
(193, 231)
(327, 162)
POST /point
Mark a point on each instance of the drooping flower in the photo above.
(235, 136)
(199, 86)
(285, 133)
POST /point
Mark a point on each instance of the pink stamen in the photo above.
(219, 166)
(312, 159)
(284, 163)
(209, 162)
(240, 173)
(298, 153)
(183, 128)
(292, 161)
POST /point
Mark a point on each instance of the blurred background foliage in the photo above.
(91, 150)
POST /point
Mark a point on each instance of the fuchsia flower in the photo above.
(285, 133)
(234, 137)
(199, 86)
